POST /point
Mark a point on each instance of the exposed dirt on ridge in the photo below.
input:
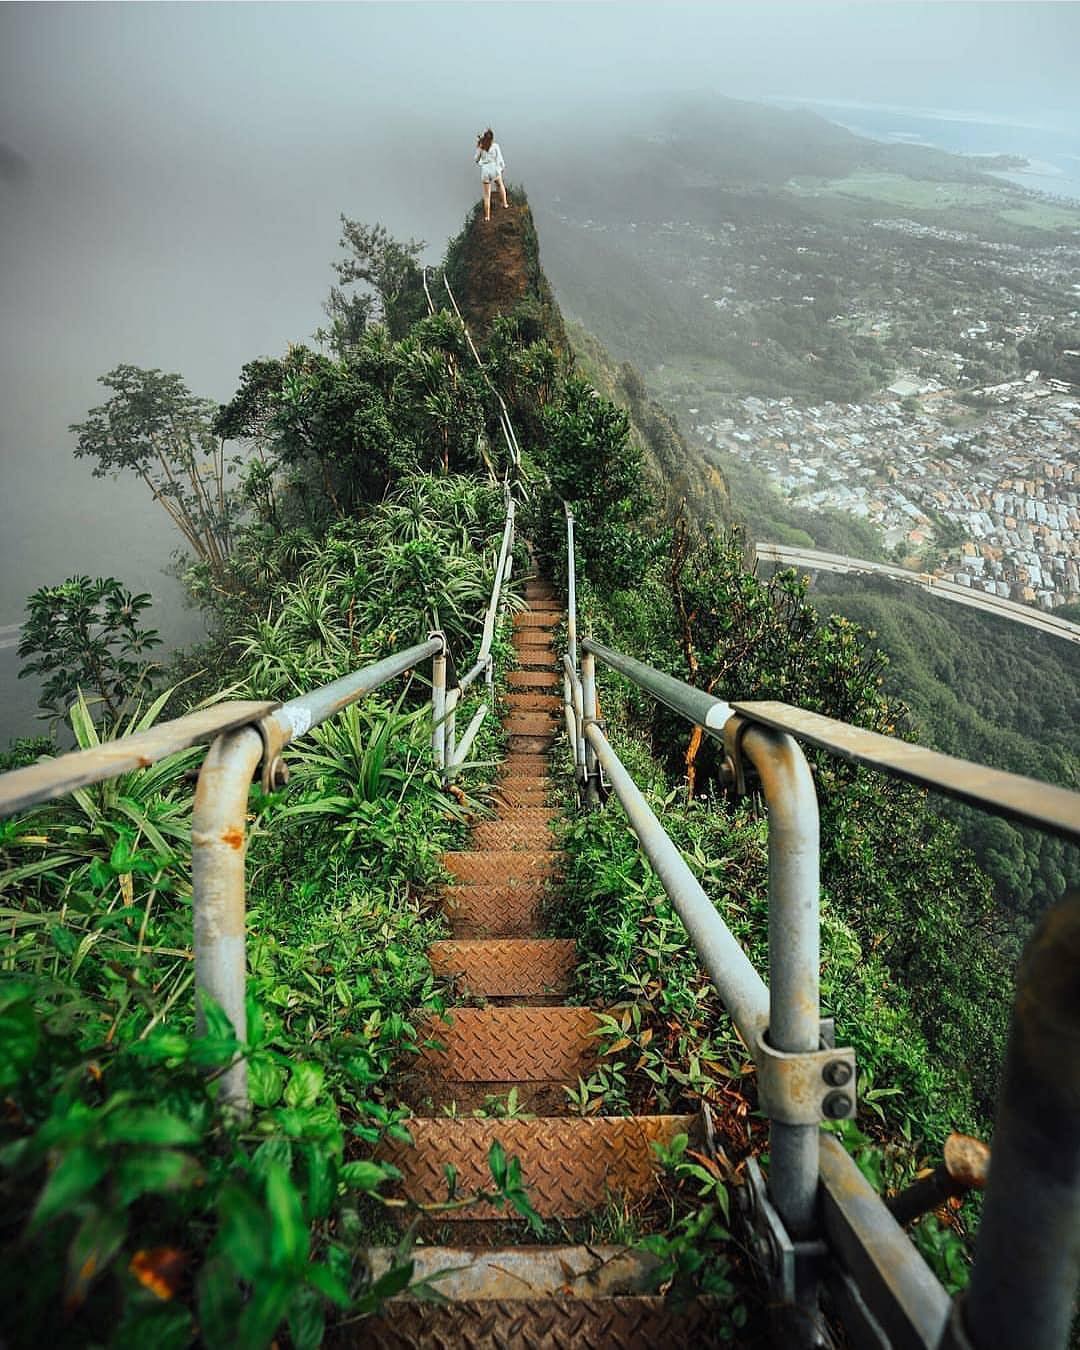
(495, 259)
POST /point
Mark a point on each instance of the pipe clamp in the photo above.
(805, 1088)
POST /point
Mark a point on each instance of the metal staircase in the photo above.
(526, 1039)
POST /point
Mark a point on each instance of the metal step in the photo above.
(532, 679)
(525, 766)
(491, 866)
(513, 834)
(534, 702)
(570, 1166)
(522, 793)
(510, 967)
(511, 1044)
(536, 618)
(495, 910)
(622, 1322)
(529, 724)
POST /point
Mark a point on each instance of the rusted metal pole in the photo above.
(1027, 1253)
(218, 848)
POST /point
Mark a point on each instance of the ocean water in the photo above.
(1052, 151)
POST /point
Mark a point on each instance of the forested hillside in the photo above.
(363, 510)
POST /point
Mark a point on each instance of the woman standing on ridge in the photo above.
(489, 157)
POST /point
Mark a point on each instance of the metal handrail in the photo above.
(816, 1202)
(52, 778)
(1053, 809)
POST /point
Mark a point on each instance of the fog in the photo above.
(171, 178)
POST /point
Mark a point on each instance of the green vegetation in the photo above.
(988, 690)
(367, 511)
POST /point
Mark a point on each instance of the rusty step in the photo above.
(532, 744)
(549, 704)
(623, 1322)
(516, 793)
(483, 910)
(509, 1045)
(569, 1165)
(532, 679)
(527, 724)
(512, 834)
(527, 816)
(508, 967)
(537, 618)
(491, 866)
(525, 766)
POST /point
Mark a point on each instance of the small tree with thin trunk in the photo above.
(86, 634)
(155, 427)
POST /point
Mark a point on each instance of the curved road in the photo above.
(1041, 619)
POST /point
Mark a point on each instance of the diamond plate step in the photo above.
(508, 1045)
(525, 766)
(490, 866)
(527, 816)
(569, 1165)
(512, 834)
(480, 911)
(536, 618)
(517, 792)
(528, 724)
(510, 968)
(533, 679)
(624, 1322)
(535, 703)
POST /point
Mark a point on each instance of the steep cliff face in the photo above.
(494, 268)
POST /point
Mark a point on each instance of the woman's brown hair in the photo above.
(484, 141)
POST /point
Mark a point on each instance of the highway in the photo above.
(816, 561)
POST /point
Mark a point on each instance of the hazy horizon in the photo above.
(172, 176)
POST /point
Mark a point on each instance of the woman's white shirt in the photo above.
(493, 155)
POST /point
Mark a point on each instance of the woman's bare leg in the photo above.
(487, 199)
(502, 189)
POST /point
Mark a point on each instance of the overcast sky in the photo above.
(171, 175)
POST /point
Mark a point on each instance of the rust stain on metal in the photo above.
(233, 836)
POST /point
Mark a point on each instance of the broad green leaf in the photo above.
(220, 1302)
(19, 1041)
(157, 1170)
(265, 1081)
(327, 1283)
(307, 1319)
(147, 1125)
(363, 1175)
(77, 1172)
(279, 1151)
(264, 1311)
(321, 1182)
(289, 1238)
(304, 1085)
(242, 1232)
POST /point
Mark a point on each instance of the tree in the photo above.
(389, 269)
(155, 427)
(86, 635)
